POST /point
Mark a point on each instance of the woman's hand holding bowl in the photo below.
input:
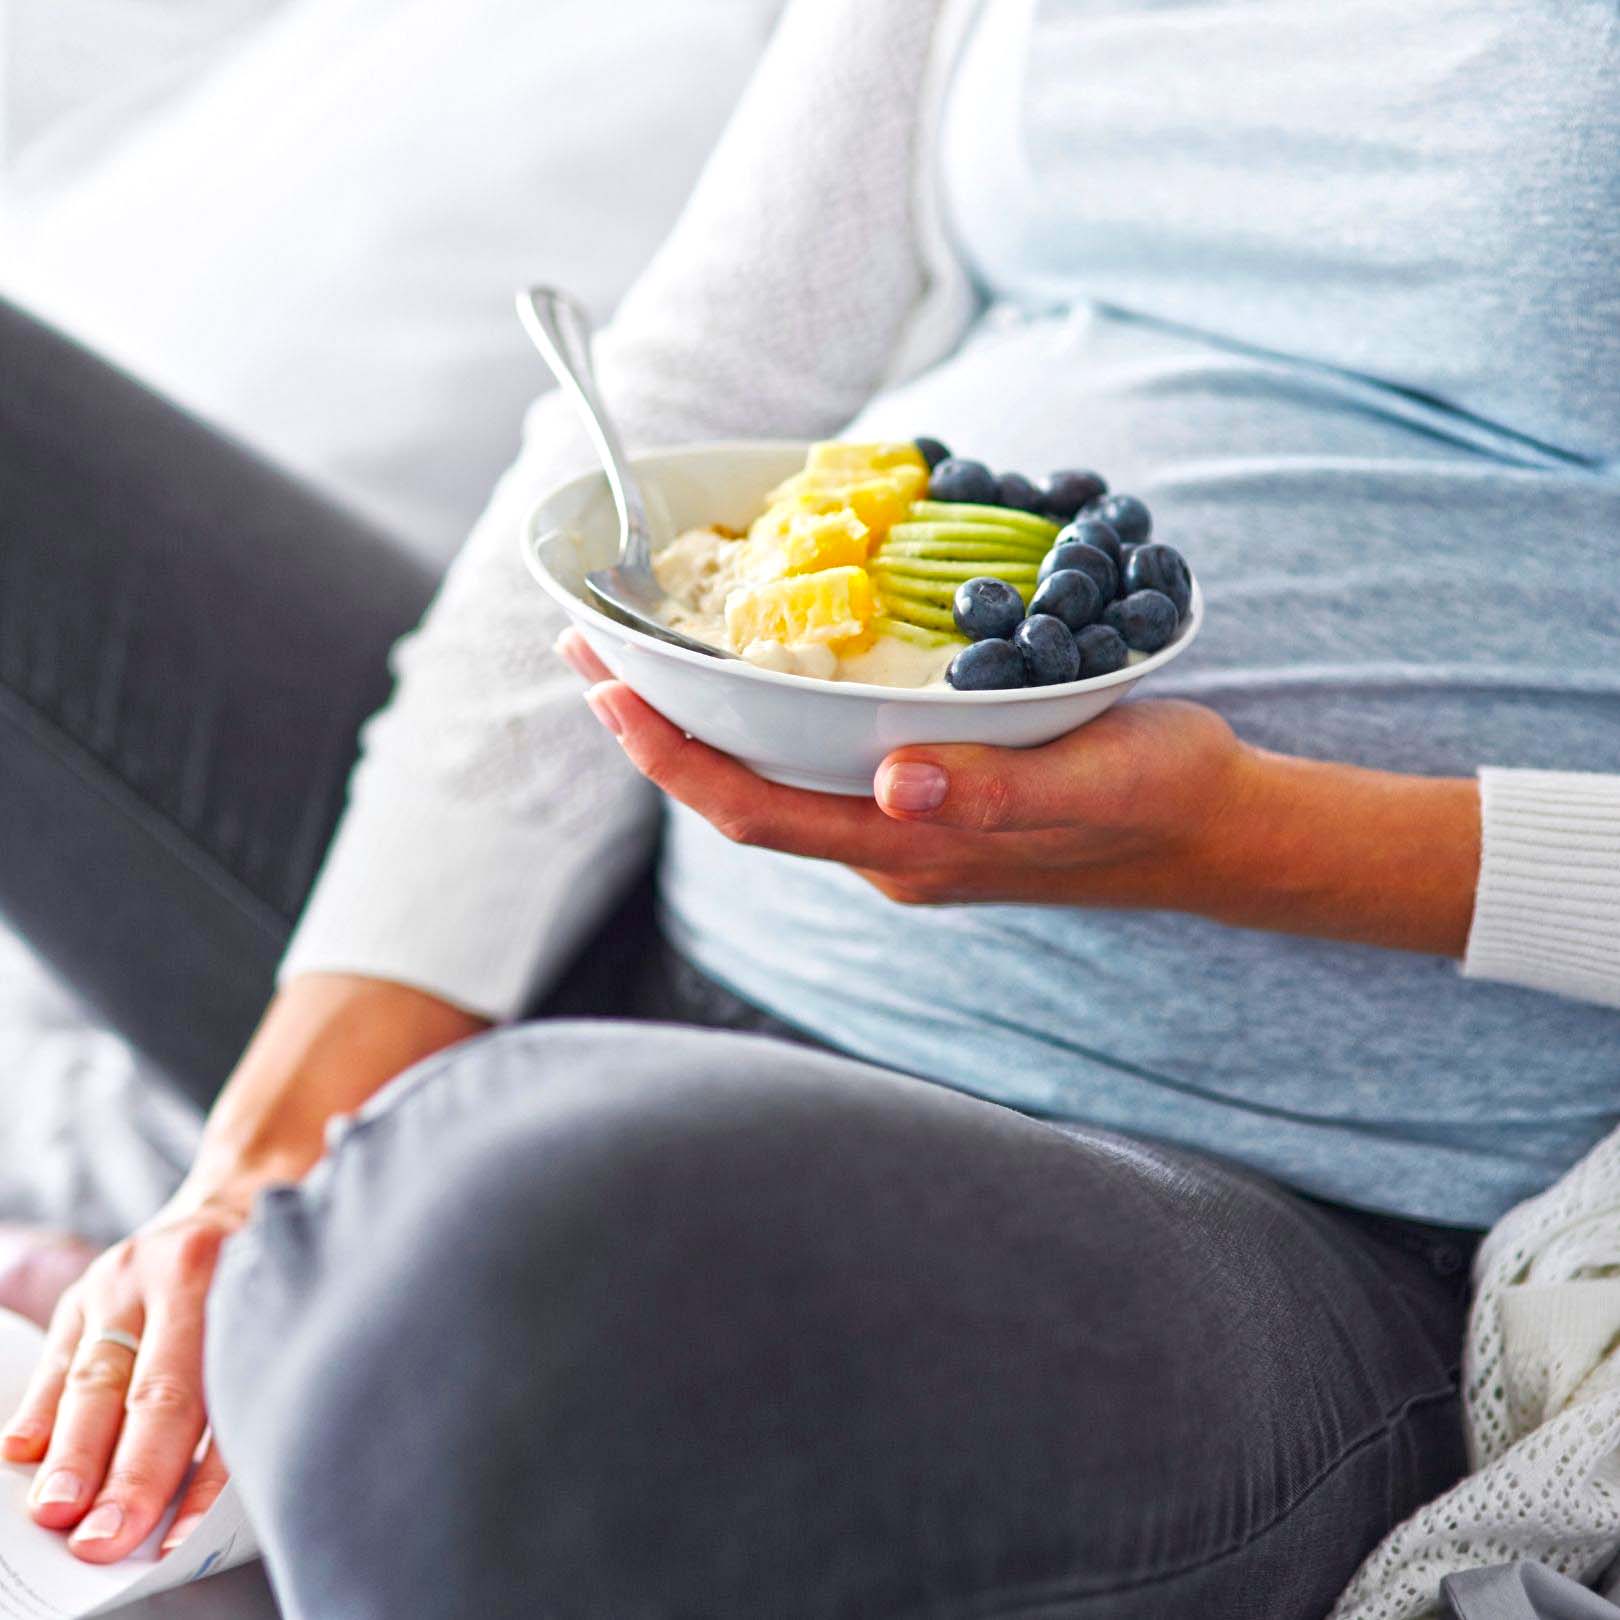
(1155, 805)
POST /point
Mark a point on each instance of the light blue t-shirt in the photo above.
(1337, 290)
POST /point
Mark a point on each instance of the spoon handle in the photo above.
(561, 331)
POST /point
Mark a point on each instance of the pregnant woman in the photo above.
(1060, 1199)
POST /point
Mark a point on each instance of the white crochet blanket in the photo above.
(1542, 1387)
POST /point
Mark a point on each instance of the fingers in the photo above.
(1082, 777)
(745, 807)
(163, 1421)
(965, 787)
(1160, 769)
(976, 788)
(200, 1495)
(89, 1414)
(29, 1431)
(575, 651)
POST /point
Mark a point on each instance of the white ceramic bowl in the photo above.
(828, 735)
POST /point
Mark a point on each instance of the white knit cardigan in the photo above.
(492, 821)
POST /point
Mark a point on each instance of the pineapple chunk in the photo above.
(828, 606)
(880, 503)
(878, 482)
(805, 536)
(878, 499)
(820, 540)
(834, 456)
(849, 646)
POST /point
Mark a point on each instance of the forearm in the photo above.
(326, 1043)
(1334, 851)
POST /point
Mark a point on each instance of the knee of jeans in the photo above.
(655, 1293)
(556, 1299)
(563, 1151)
(631, 1187)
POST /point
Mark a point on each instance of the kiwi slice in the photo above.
(920, 614)
(955, 570)
(920, 562)
(916, 634)
(1000, 536)
(925, 592)
(1006, 517)
(984, 551)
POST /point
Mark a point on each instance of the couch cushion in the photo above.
(317, 246)
(77, 75)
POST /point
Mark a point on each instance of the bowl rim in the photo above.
(531, 539)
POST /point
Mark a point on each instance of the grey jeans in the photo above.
(610, 1320)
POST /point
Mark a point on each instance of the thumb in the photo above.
(982, 789)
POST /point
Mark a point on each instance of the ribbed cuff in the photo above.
(481, 910)
(1547, 913)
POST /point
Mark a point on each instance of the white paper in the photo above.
(41, 1580)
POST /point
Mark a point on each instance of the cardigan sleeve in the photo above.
(491, 823)
(1547, 911)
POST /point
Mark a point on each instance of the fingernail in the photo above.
(61, 1486)
(565, 651)
(29, 1430)
(603, 710)
(100, 1524)
(179, 1530)
(909, 786)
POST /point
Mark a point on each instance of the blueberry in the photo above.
(1015, 490)
(1066, 492)
(1102, 650)
(1089, 560)
(1146, 619)
(1050, 655)
(984, 608)
(1069, 595)
(1125, 515)
(932, 451)
(1093, 532)
(987, 666)
(957, 480)
(1156, 567)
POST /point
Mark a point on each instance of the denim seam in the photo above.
(1058, 1592)
(120, 795)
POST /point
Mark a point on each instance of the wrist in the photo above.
(1376, 857)
(222, 1178)
(326, 1044)
(1241, 839)
(1204, 856)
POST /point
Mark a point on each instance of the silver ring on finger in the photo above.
(125, 1341)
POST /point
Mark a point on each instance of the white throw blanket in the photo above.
(1542, 1387)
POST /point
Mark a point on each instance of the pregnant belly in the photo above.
(1384, 585)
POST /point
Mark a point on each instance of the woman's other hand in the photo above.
(1153, 805)
(115, 1430)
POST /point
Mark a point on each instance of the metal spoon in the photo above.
(561, 331)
